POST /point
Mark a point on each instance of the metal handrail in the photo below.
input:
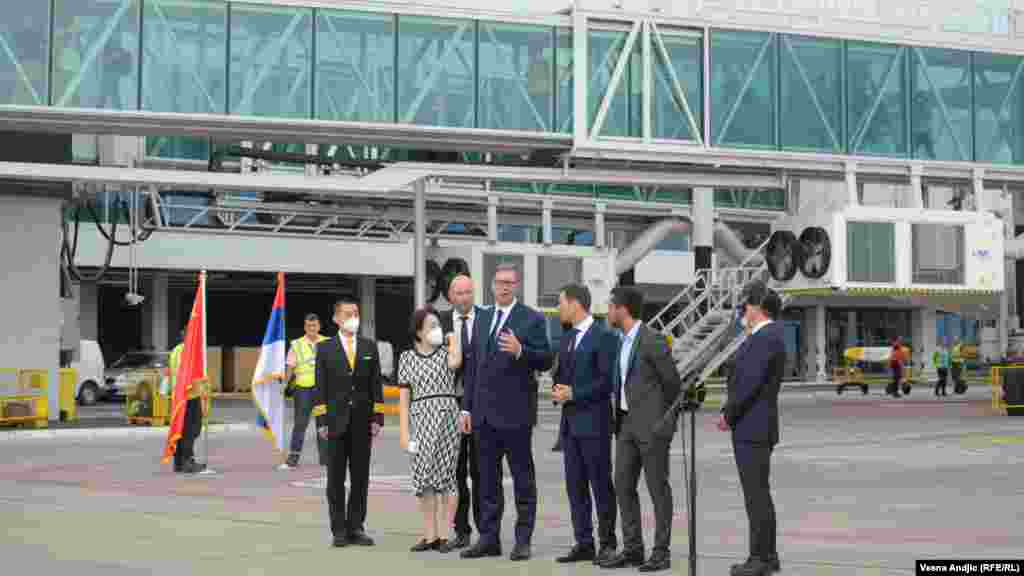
(700, 278)
(730, 349)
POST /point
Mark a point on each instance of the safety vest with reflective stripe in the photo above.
(172, 364)
(957, 355)
(305, 361)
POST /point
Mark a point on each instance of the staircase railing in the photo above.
(724, 354)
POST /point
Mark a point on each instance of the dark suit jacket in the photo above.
(499, 393)
(752, 408)
(652, 386)
(343, 394)
(465, 370)
(589, 412)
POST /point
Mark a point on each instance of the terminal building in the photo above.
(864, 157)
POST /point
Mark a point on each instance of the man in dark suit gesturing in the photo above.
(583, 387)
(752, 413)
(348, 385)
(460, 322)
(646, 385)
(510, 345)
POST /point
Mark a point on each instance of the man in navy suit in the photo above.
(499, 407)
(752, 413)
(583, 387)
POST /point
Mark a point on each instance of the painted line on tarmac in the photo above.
(119, 432)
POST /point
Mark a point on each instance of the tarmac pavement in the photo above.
(862, 485)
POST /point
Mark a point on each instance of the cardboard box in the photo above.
(239, 367)
(17, 409)
(215, 368)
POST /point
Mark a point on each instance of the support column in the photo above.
(916, 191)
(851, 184)
(548, 206)
(419, 244)
(809, 341)
(155, 329)
(820, 344)
(599, 231)
(492, 219)
(312, 169)
(979, 190)
(1006, 300)
(851, 332)
(924, 335)
(368, 306)
(31, 308)
(703, 226)
(89, 311)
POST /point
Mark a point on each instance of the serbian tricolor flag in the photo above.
(191, 369)
(268, 381)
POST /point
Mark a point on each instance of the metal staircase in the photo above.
(704, 333)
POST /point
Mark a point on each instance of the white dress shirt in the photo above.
(760, 325)
(628, 342)
(457, 323)
(581, 330)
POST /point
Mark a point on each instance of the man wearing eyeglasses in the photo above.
(751, 412)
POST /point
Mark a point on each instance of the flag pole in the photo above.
(206, 384)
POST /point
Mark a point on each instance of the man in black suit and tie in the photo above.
(459, 321)
(583, 387)
(500, 409)
(348, 386)
(646, 385)
(752, 413)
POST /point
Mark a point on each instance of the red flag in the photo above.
(191, 368)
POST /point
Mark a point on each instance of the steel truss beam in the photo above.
(240, 128)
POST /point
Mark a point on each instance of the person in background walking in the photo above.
(896, 366)
(429, 428)
(941, 361)
(957, 362)
(301, 365)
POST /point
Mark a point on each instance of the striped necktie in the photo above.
(350, 351)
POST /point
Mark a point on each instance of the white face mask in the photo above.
(435, 337)
(351, 326)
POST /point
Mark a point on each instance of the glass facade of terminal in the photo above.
(767, 90)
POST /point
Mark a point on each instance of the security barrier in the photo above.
(68, 378)
(143, 402)
(1005, 401)
(24, 397)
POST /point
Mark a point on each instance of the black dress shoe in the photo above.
(579, 553)
(658, 561)
(752, 567)
(360, 539)
(340, 542)
(624, 559)
(520, 552)
(606, 554)
(460, 541)
(482, 551)
(423, 545)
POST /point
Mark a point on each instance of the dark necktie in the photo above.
(464, 332)
(570, 355)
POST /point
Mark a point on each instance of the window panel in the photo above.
(178, 147)
(355, 67)
(940, 104)
(870, 252)
(565, 87)
(623, 117)
(999, 108)
(271, 61)
(877, 99)
(811, 94)
(24, 53)
(516, 77)
(436, 72)
(938, 253)
(185, 53)
(556, 273)
(669, 120)
(743, 89)
(96, 54)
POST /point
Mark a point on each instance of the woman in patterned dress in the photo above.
(429, 431)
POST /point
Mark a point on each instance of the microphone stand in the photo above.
(688, 401)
